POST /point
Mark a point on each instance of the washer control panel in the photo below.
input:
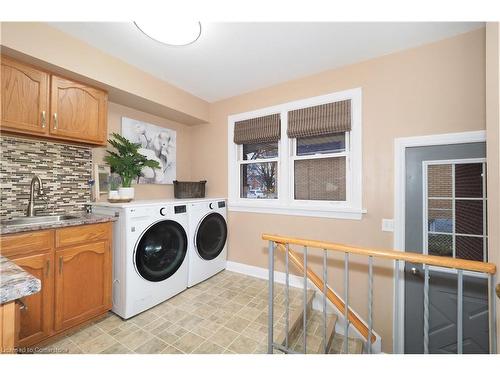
(180, 209)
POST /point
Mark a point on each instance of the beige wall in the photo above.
(184, 134)
(493, 144)
(39, 43)
(436, 88)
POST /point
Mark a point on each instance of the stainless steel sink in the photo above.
(32, 220)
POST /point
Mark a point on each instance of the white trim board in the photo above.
(298, 282)
(263, 273)
(400, 145)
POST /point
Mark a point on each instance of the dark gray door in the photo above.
(445, 215)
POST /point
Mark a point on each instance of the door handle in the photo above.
(498, 290)
(48, 268)
(44, 120)
(55, 121)
(60, 265)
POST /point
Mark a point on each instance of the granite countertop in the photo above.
(15, 282)
(80, 220)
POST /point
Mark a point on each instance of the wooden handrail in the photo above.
(330, 294)
(432, 260)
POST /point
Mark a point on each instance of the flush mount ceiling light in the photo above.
(171, 33)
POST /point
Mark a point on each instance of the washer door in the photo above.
(211, 236)
(161, 250)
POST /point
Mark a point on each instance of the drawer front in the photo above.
(25, 243)
(82, 234)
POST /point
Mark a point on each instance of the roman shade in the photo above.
(258, 130)
(320, 120)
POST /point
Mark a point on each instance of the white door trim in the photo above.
(400, 145)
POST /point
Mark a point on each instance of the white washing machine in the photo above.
(208, 238)
(150, 253)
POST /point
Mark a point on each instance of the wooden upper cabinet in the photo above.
(82, 283)
(25, 98)
(78, 112)
(37, 103)
(36, 316)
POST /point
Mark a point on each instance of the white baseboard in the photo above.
(298, 282)
(263, 273)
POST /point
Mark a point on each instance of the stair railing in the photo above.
(366, 329)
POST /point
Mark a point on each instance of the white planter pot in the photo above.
(126, 192)
(113, 194)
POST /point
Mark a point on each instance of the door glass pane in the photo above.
(211, 236)
(469, 216)
(161, 250)
(260, 151)
(439, 182)
(440, 215)
(259, 180)
(469, 248)
(322, 144)
(440, 244)
(469, 180)
(461, 215)
(320, 179)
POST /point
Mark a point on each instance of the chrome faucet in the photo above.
(31, 204)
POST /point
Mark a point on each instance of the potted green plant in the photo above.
(127, 161)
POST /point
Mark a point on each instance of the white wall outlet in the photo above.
(387, 225)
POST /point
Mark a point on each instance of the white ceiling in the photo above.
(233, 58)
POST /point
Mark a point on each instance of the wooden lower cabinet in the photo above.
(76, 279)
(83, 283)
(38, 310)
(9, 327)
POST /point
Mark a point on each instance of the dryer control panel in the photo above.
(214, 205)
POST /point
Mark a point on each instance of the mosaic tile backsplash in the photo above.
(64, 170)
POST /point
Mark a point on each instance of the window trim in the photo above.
(285, 203)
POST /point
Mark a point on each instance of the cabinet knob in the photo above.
(22, 305)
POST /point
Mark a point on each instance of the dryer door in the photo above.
(211, 236)
(161, 250)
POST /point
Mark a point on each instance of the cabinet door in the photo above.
(8, 339)
(82, 283)
(25, 98)
(78, 112)
(36, 317)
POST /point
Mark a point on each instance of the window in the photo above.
(455, 214)
(319, 167)
(259, 170)
(298, 158)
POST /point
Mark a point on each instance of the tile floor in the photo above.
(225, 314)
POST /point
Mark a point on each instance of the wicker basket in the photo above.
(185, 189)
